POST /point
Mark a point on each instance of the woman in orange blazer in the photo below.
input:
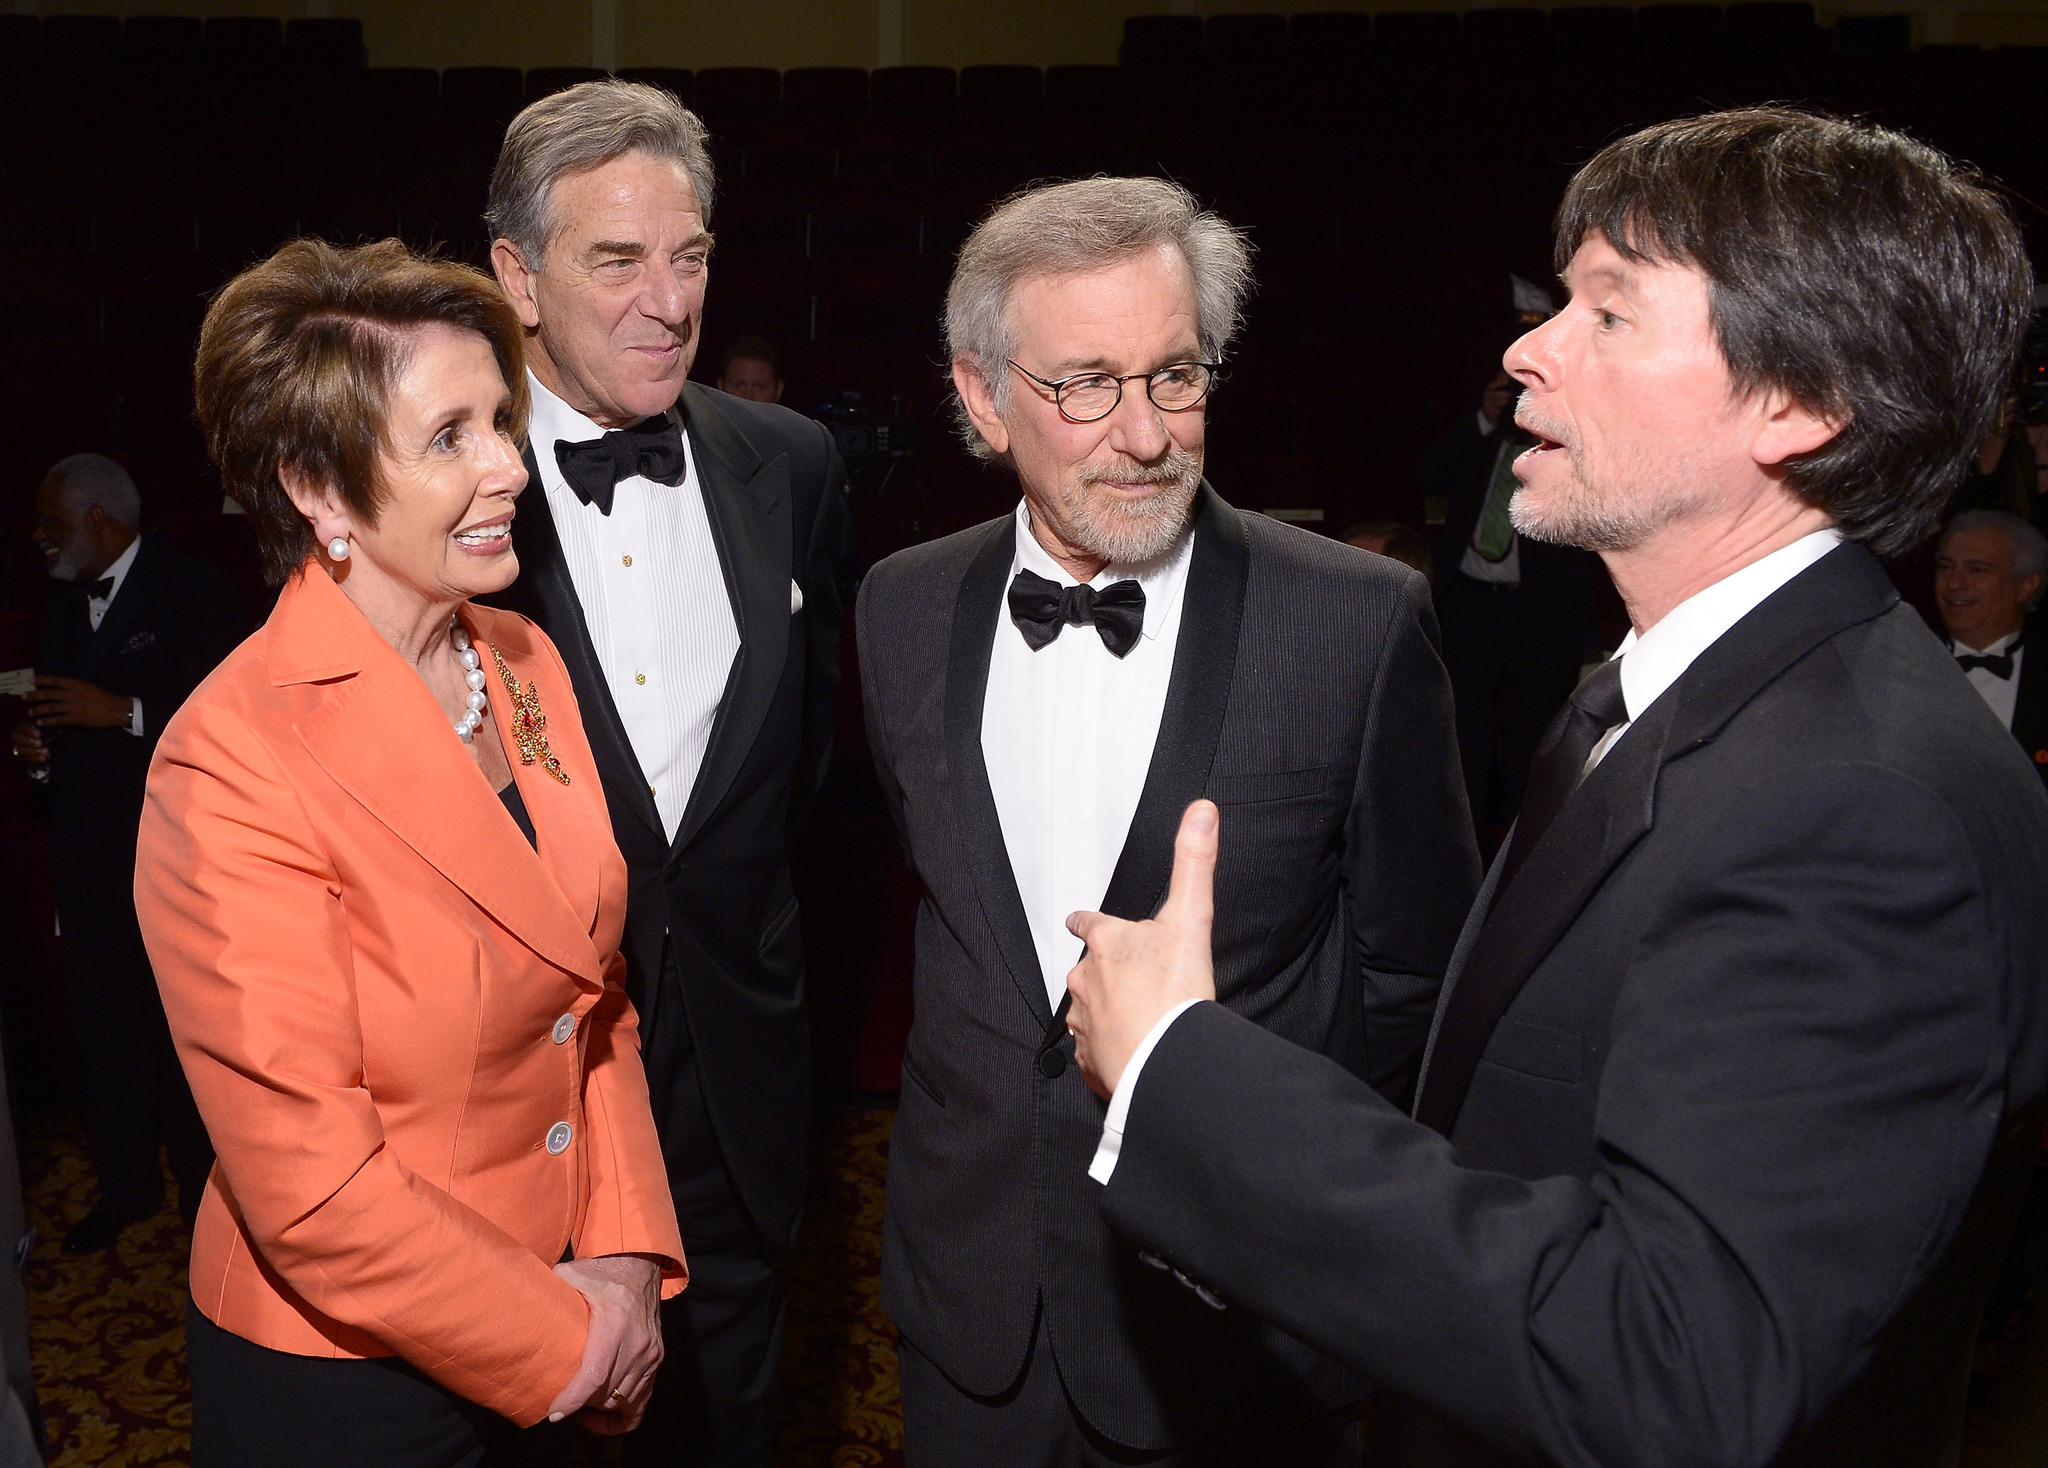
(379, 889)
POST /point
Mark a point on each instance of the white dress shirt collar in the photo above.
(119, 571)
(1997, 645)
(1658, 658)
(551, 419)
(1162, 580)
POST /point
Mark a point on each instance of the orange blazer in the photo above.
(407, 1031)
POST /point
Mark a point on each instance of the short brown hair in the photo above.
(1864, 274)
(295, 360)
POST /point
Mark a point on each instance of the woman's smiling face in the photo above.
(448, 471)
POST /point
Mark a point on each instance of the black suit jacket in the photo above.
(2030, 703)
(720, 893)
(1743, 1150)
(170, 625)
(1306, 699)
(1557, 590)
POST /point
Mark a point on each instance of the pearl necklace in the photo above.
(472, 674)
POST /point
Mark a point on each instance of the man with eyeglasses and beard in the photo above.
(1045, 693)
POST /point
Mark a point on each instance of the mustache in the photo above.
(1530, 421)
(1175, 468)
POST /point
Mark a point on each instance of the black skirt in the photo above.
(253, 1407)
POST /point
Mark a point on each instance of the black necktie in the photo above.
(1998, 665)
(651, 448)
(1040, 608)
(1595, 706)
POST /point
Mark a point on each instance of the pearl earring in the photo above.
(337, 548)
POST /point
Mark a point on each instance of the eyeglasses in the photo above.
(1088, 397)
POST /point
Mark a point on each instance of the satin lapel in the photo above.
(2030, 700)
(1614, 808)
(121, 612)
(1204, 663)
(546, 574)
(747, 501)
(975, 609)
(566, 819)
(384, 740)
(1598, 825)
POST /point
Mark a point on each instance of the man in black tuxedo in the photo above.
(1043, 694)
(1740, 1066)
(1519, 615)
(1987, 576)
(131, 628)
(678, 545)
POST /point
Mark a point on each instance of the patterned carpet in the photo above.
(109, 1334)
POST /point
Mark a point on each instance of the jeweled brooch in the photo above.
(529, 723)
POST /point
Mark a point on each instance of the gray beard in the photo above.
(70, 562)
(1132, 533)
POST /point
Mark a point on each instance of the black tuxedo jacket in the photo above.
(171, 624)
(719, 894)
(1762, 1076)
(2030, 703)
(1307, 700)
(1558, 584)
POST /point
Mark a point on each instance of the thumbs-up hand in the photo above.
(1131, 974)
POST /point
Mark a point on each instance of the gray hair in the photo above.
(2029, 545)
(577, 130)
(89, 480)
(1072, 228)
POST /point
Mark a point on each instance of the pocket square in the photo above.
(796, 597)
(139, 641)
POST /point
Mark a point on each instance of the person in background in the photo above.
(680, 545)
(752, 369)
(1396, 541)
(1988, 575)
(383, 900)
(2003, 475)
(1519, 615)
(130, 629)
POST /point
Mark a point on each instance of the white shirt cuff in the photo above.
(1120, 1103)
(135, 717)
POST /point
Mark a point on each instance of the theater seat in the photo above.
(482, 93)
(672, 79)
(913, 93)
(1162, 40)
(727, 95)
(824, 93)
(324, 43)
(1001, 93)
(545, 81)
(403, 93)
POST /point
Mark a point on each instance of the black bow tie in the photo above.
(1998, 665)
(98, 590)
(1040, 608)
(651, 448)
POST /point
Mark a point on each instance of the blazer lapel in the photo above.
(573, 826)
(121, 612)
(1616, 807)
(2030, 701)
(383, 739)
(975, 610)
(747, 501)
(545, 574)
(1204, 663)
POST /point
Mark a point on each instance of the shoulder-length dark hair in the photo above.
(295, 361)
(1865, 274)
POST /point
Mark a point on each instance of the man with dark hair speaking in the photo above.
(1739, 1067)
